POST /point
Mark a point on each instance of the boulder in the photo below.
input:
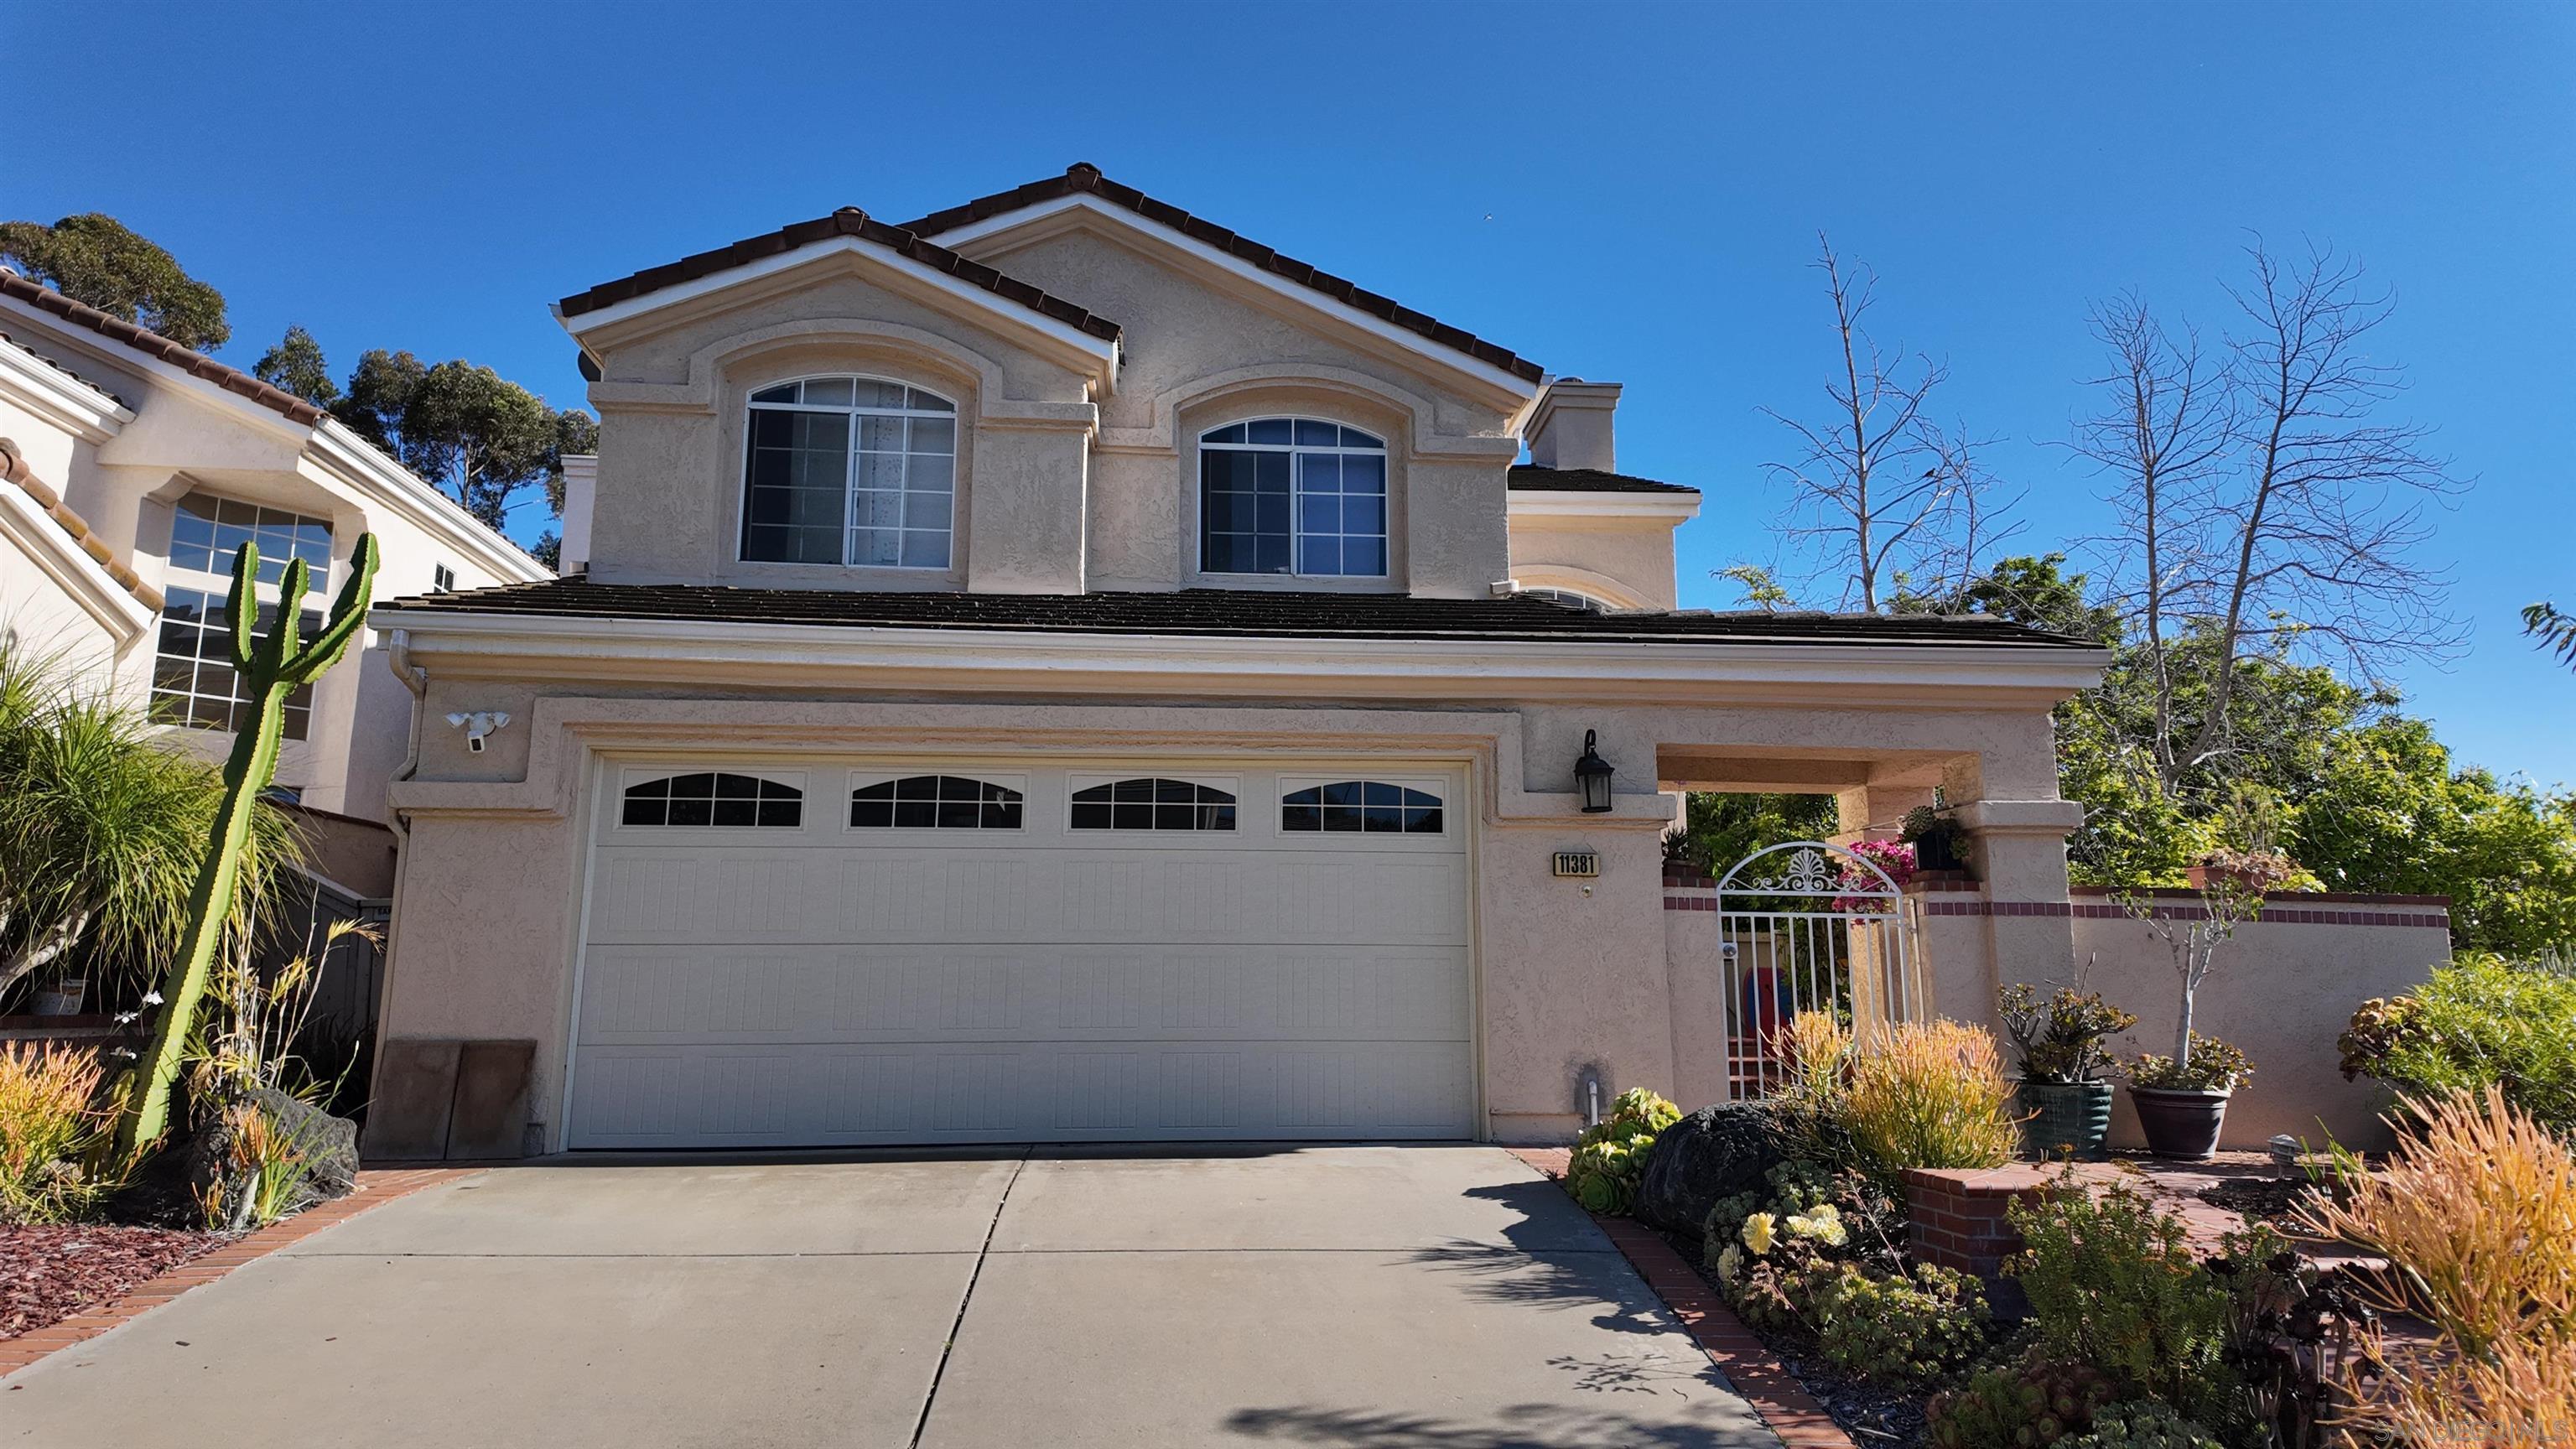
(329, 1145)
(1714, 1152)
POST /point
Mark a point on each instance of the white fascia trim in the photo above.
(82, 578)
(1103, 351)
(352, 457)
(60, 398)
(673, 651)
(957, 238)
(1677, 508)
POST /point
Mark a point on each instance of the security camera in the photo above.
(477, 726)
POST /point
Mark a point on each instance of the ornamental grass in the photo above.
(1930, 1094)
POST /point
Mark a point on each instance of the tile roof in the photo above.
(55, 364)
(852, 222)
(1083, 177)
(13, 469)
(1240, 612)
(1529, 477)
(153, 344)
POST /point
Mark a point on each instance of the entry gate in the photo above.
(1809, 926)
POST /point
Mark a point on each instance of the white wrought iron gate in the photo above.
(1809, 926)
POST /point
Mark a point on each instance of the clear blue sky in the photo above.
(1619, 192)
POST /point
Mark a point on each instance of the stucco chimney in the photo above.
(1571, 428)
(581, 486)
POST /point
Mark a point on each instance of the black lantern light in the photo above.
(1592, 775)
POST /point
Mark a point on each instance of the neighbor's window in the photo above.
(442, 579)
(193, 680)
(714, 799)
(849, 470)
(1292, 496)
(935, 802)
(1153, 805)
(1369, 806)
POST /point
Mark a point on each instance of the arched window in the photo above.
(1153, 805)
(714, 800)
(1570, 599)
(1369, 806)
(935, 802)
(849, 470)
(1292, 496)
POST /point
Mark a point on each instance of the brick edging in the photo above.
(373, 1189)
(1756, 1373)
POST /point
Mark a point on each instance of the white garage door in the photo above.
(820, 953)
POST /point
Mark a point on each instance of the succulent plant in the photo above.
(1610, 1158)
(2142, 1424)
(2026, 1406)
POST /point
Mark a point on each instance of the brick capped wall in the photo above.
(1956, 1217)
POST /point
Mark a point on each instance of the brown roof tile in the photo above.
(1529, 477)
(852, 222)
(13, 469)
(1217, 612)
(153, 344)
(1082, 176)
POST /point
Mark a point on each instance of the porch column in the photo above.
(2017, 849)
(1876, 812)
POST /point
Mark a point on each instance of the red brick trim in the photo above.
(373, 1188)
(1754, 1370)
(2277, 913)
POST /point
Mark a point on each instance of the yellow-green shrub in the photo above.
(1610, 1158)
(49, 1127)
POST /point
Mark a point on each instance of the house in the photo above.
(1058, 669)
(134, 469)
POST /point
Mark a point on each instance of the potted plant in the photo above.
(2064, 1096)
(2182, 1102)
(2253, 872)
(1940, 842)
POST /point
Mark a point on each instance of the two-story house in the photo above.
(1057, 669)
(131, 471)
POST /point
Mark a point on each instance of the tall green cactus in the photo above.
(270, 670)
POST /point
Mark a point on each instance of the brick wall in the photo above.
(1956, 1218)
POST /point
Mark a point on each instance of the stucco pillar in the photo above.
(1875, 812)
(2017, 850)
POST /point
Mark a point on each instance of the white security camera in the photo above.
(478, 725)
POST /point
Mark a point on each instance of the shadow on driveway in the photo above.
(1521, 1426)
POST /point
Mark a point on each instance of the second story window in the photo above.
(1292, 496)
(193, 681)
(849, 470)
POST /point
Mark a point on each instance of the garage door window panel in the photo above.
(936, 802)
(713, 800)
(1366, 807)
(1153, 804)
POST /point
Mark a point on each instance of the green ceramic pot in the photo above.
(2065, 1118)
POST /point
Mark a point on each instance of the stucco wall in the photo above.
(1633, 554)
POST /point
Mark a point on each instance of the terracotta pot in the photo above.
(2180, 1123)
(2065, 1117)
(2212, 877)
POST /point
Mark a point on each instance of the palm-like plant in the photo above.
(101, 828)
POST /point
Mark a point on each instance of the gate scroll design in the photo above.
(1809, 926)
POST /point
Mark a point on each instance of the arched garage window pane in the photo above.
(935, 802)
(1153, 804)
(1368, 806)
(730, 801)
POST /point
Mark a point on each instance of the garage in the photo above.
(801, 953)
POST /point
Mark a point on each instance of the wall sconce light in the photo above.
(1592, 775)
(477, 726)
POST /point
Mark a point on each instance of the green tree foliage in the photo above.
(479, 437)
(296, 365)
(2362, 794)
(2553, 631)
(94, 258)
(1719, 830)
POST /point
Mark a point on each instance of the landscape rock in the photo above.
(1712, 1153)
(329, 1144)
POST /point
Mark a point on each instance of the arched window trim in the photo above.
(894, 507)
(937, 801)
(711, 799)
(1152, 802)
(1320, 512)
(1369, 807)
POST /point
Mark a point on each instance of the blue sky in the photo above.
(1623, 192)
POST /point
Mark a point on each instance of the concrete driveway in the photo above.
(1394, 1297)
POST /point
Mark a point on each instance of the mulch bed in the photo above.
(47, 1274)
(2272, 1199)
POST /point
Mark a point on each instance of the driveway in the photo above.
(1394, 1297)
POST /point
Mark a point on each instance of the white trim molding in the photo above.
(1675, 508)
(78, 407)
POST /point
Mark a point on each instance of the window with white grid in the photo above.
(1292, 496)
(850, 470)
(193, 679)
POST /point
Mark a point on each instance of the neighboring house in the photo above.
(1058, 669)
(139, 468)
